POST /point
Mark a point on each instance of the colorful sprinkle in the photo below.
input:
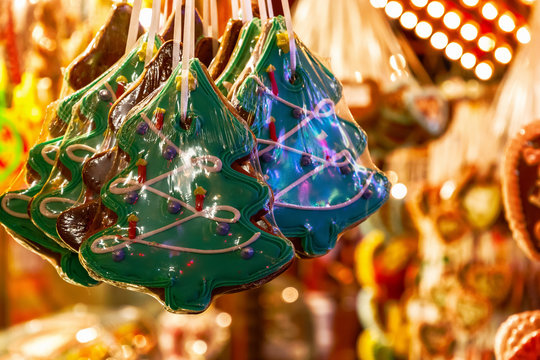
(174, 207)
(132, 197)
(247, 253)
(345, 170)
(104, 95)
(267, 157)
(282, 41)
(142, 128)
(223, 228)
(169, 153)
(305, 160)
(119, 255)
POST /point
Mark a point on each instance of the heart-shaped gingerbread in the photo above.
(521, 188)
(493, 282)
(437, 339)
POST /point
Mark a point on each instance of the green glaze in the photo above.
(87, 128)
(21, 227)
(186, 280)
(242, 52)
(336, 188)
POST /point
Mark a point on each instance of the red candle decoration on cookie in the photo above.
(159, 114)
(122, 82)
(141, 170)
(272, 129)
(271, 70)
(200, 194)
(132, 231)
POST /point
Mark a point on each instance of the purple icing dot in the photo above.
(142, 128)
(169, 153)
(297, 113)
(261, 90)
(119, 255)
(305, 160)
(345, 170)
(367, 194)
(247, 252)
(104, 95)
(174, 207)
(223, 228)
(267, 157)
(132, 197)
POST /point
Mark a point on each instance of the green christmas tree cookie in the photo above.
(242, 52)
(190, 216)
(86, 131)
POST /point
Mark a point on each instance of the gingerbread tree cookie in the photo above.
(64, 187)
(312, 153)
(190, 216)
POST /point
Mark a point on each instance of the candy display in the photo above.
(312, 155)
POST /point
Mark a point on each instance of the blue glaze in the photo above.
(247, 253)
(223, 228)
(132, 197)
(142, 128)
(174, 207)
(324, 196)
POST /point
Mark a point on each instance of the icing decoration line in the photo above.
(49, 214)
(327, 162)
(139, 240)
(16, 214)
(111, 91)
(159, 133)
(44, 152)
(270, 70)
(70, 149)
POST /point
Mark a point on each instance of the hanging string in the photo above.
(292, 43)
(247, 11)
(234, 7)
(177, 33)
(270, 8)
(186, 55)
(133, 25)
(206, 19)
(262, 11)
(214, 19)
(166, 12)
(156, 12)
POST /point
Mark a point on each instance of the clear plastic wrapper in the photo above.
(379, 85)
(312, 153)
(14, 203)
(190, 207)
(86, 131)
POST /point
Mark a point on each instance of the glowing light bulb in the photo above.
(419, 3)
(289, 294)
(408, 20)
(223, 319)
(483, 70)
(439, 40)
(452, 20)
(468, 60)
(398, 191)
(393, 9)
(469, 32)
(470, 3)
(523, 35)
(506, 22)
(199, 347)
(453, 51)
(379, 4)
(423, 29)
(435, 9)
(486, 43)
(447, 190)
(489, 11)
(503, 54)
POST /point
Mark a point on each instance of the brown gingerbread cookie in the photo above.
(75, 224)
(168, 30)
(107, 47)
(228, 42)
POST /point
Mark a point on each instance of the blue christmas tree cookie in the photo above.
(313, 156)
(85, 133)
(190, 217)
